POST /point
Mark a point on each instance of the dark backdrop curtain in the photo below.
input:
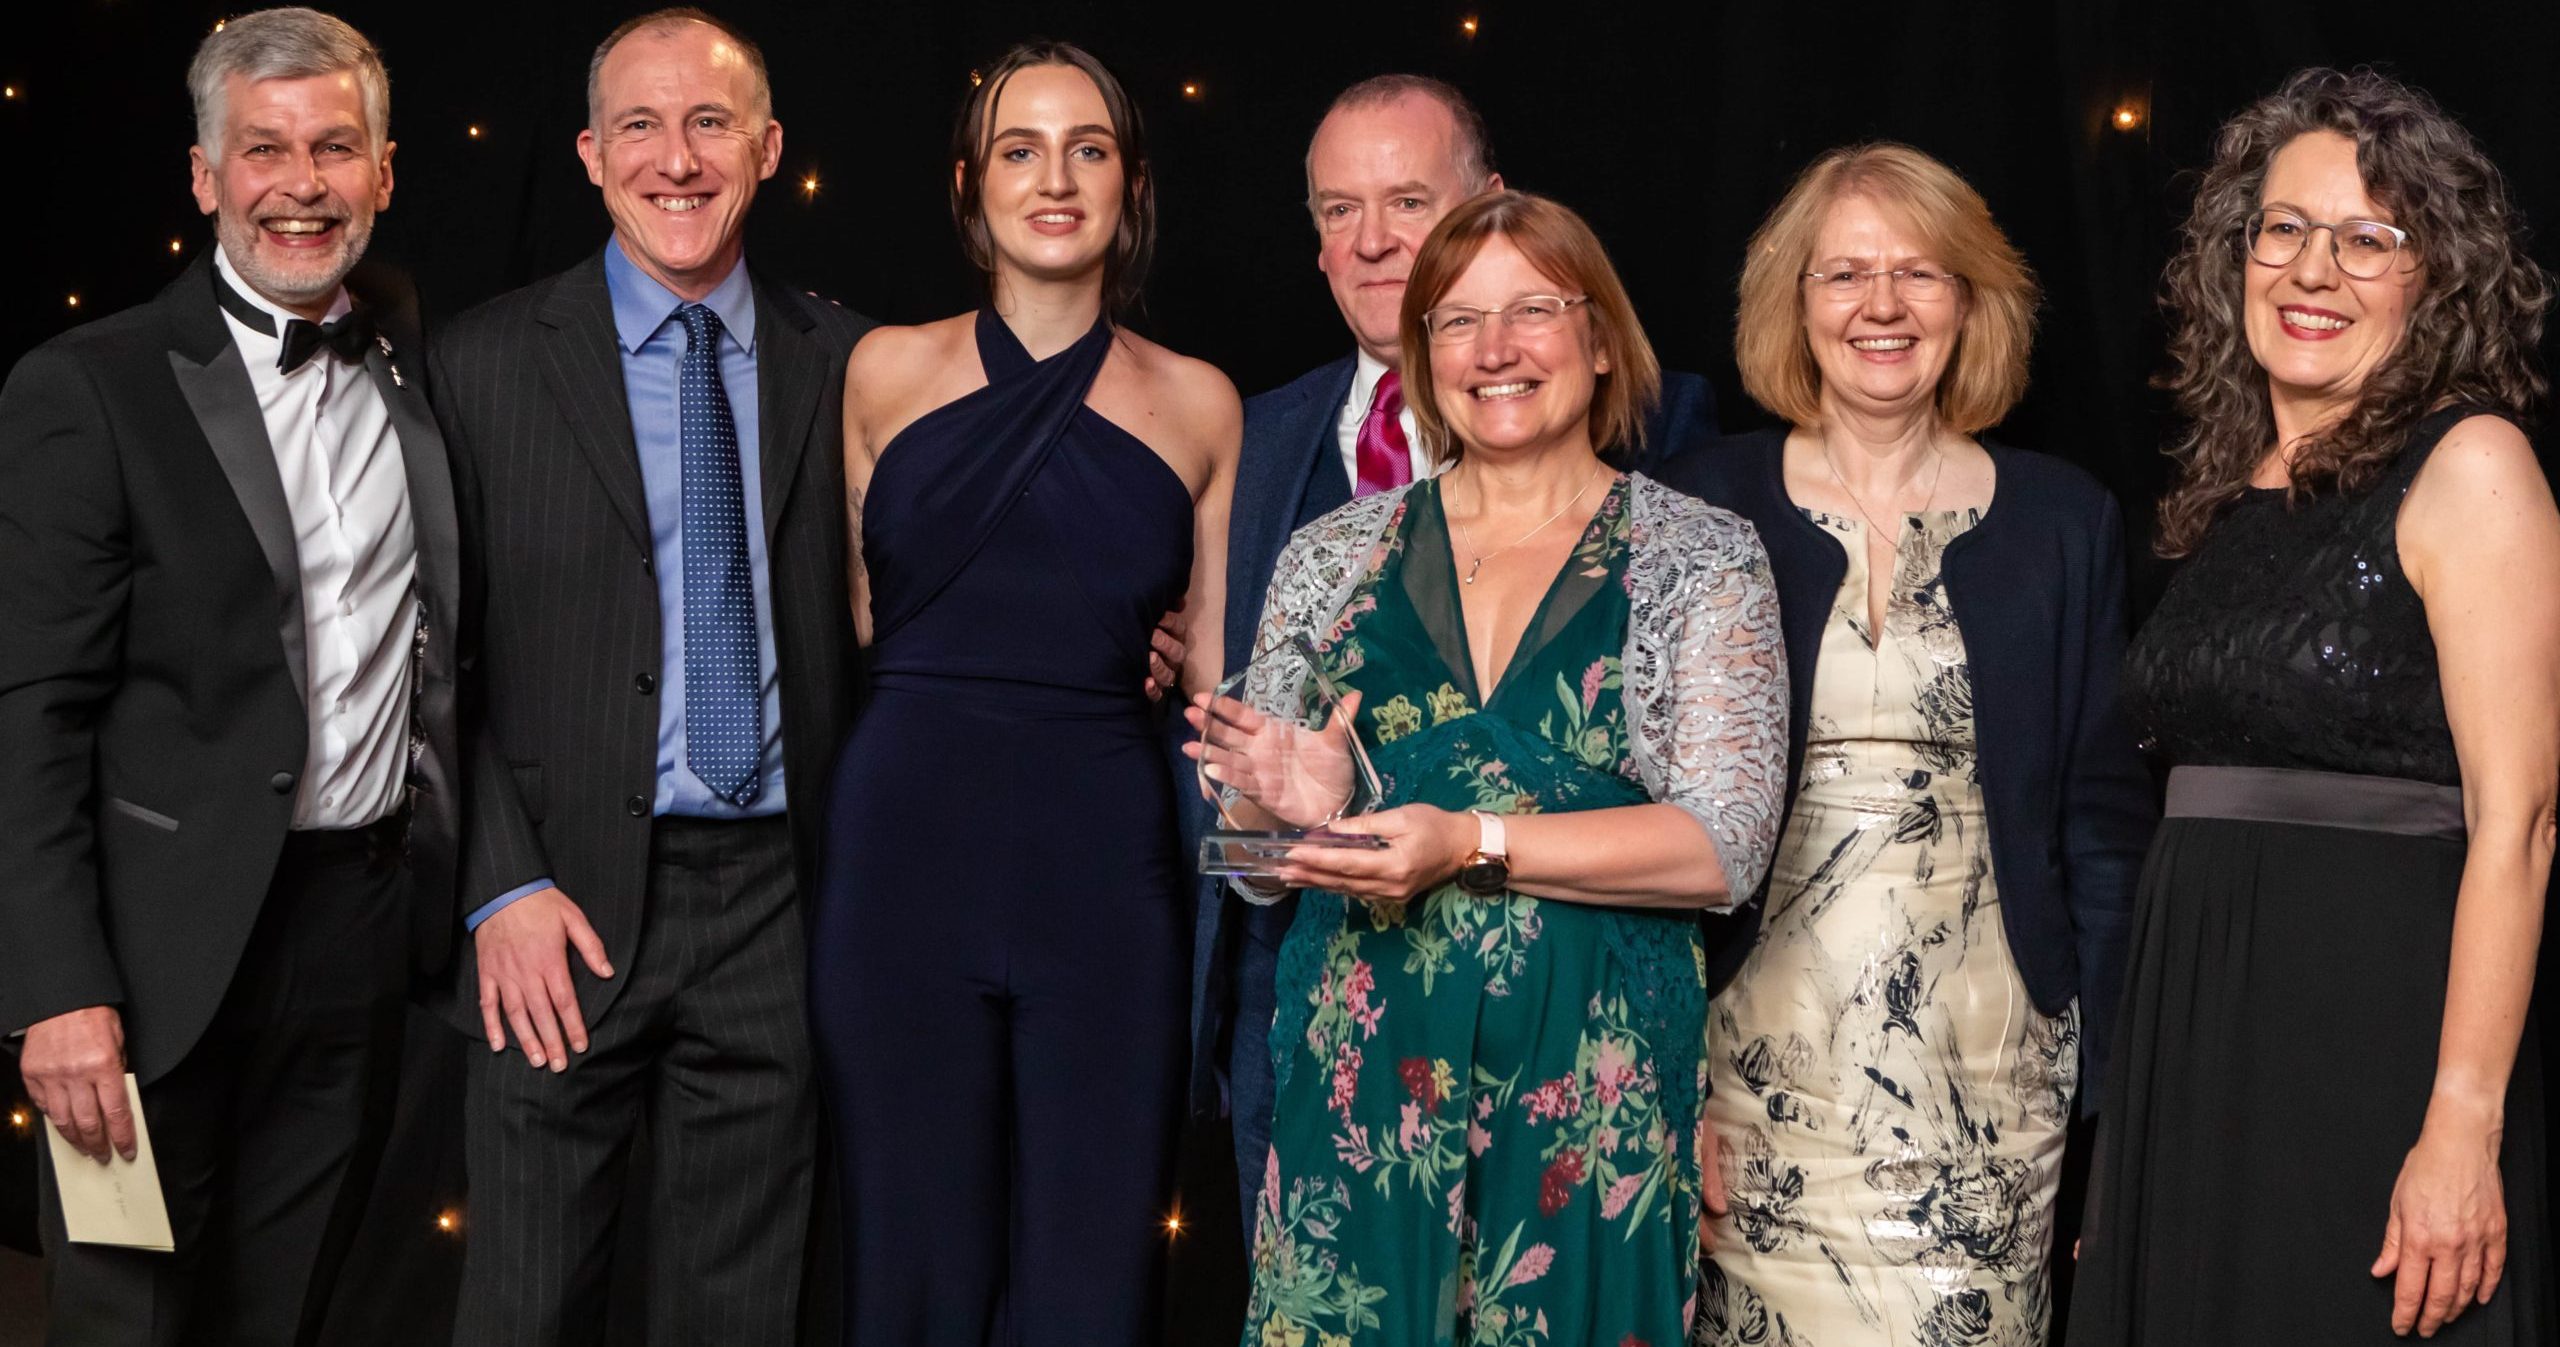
(1672, 127)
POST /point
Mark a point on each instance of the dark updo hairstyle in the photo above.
(1124, 269)
(2471, 333)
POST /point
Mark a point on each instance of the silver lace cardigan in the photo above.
(1705, 665)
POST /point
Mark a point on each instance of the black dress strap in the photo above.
(953, 477)
(1001, 353)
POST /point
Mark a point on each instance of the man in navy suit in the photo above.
(1393, 154)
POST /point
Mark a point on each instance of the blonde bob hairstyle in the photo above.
(1564, 250)
(1954, 229)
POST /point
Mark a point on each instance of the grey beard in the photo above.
(240, 243)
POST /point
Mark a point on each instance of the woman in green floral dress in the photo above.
(1486, 1130)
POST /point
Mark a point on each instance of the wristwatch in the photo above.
(1488, 871)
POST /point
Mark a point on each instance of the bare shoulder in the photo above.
(1197, 396)
(897, 374)
(2482, 495)
(2484, 455)
(890, 357)
(1183, 409)
(2482, 473)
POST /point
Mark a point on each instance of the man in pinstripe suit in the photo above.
(648, 455)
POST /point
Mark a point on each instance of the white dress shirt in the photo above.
(347, 488)
(1355, 409)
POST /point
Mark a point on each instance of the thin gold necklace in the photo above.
(1483, 557)
(1937, 470)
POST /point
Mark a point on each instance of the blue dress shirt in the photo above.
(651, 341)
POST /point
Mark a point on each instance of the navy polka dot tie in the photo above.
(723, 689)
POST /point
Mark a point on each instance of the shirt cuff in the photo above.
(472, 922)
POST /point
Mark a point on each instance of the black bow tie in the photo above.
(345, 338)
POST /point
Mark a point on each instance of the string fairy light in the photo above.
(72, 301)
(809, 187)
(176, 246)
(1467, 25)
(8, 91)
(448, 1221)
(472, 131)
(1191, 90)
(2126, 117)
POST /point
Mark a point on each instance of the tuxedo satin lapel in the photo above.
(422, 453)
(196, 324)
(437, 797)
(789, 369)
(583, 371)
(225, 404)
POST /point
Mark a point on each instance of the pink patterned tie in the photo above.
(1386, 460)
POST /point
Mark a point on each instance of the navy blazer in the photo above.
(1288, 475)
(2037, 592)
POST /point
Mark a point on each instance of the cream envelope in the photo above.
(117, 1202)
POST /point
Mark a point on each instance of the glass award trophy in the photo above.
(1282, 760)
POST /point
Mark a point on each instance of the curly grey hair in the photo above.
(2471, 333)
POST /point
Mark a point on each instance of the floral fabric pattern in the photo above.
(1891, 1104)
(1486, 1129)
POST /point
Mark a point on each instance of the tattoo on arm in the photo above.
(856, 578)
(853, 567)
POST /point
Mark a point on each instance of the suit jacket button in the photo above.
(637, 806)
(281, 783)
(645, 684)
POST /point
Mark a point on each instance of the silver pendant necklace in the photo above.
(1937, 470)
(1483, 557)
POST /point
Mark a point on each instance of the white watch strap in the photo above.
(1490, 839)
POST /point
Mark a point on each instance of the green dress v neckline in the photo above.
(1436, 591)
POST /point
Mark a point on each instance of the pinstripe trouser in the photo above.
(710, 1044)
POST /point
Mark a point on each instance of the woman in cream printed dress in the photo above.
(1889, 1066)
(1897, 1046)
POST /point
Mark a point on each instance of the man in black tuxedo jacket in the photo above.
(648, 451)
(1392, 155)
(228, 594)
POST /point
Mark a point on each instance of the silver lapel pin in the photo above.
(385, 343)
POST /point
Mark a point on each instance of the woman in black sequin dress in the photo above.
(2318, 1127)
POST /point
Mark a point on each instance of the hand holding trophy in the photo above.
(1281, 758)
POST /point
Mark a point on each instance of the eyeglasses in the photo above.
(2364, 249)
(1450, 324)
(1923, 283)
